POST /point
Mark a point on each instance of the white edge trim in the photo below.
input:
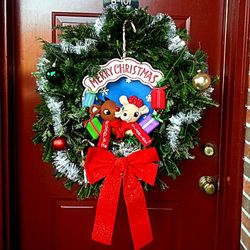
(245, 230)
(246, 195)
(247, 160)
(243, 245)
(246, 178)
(245, 212)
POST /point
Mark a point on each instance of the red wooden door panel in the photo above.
(50, 217)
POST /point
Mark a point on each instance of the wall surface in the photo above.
(245, 215)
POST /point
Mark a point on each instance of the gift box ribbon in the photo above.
(148, 123)
(90, 120)
(101, 163)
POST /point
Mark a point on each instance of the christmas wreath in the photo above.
(126, 87)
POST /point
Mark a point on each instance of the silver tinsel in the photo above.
(158, 17)
(99, 24)
(60, 159)
(176, 44)
(42, 63)
(42, 84)
(172, 27)
(176, 122)
(124, 149)
(41, 81)
(187, 55)
(64, 166)
(208, 92)
(55, 108)
(80, 46)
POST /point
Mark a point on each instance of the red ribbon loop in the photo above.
(101, 163)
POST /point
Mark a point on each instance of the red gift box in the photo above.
(158, 98)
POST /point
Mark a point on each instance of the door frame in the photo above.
(233, 115)
(8, 184)
(2, 79)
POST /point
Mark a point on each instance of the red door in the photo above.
(50, 217)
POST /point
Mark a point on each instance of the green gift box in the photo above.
(94, 127)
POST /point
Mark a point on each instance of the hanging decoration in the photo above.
(59, 143)
(54, 75)
(158, 98)
(201, 81)
(122, 103)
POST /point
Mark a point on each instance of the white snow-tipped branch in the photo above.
(80, 46)
(176, 123)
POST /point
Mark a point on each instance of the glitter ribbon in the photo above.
(140, 134)
(107, 128)
(120, 127)
(105, 135)
(101, 163)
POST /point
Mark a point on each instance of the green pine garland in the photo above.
(151, 43)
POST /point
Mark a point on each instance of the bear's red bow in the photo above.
(100, 164)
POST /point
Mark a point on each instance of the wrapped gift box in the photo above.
(158, 98)
(149, 124)
(94, 127)
(88, 99)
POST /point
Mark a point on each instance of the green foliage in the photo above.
(150, 44)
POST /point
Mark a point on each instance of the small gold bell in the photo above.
(201, 81)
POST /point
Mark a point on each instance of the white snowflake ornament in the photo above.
(148, 98)
(104, 91)
(128, 80)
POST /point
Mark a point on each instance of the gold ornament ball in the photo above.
(201, 81)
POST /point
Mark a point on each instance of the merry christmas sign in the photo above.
(118, 68)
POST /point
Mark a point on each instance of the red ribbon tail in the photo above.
(106, 209)
(137, 211)
(105, 135)
(141, 135)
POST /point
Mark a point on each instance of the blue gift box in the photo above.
(149, 124)
(88, 99)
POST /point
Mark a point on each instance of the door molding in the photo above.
(2, 120)
(236, 61)
(8, 183)
(233, 116)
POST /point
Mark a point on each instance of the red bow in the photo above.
(101, 163)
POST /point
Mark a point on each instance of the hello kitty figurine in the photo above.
(132, 109)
